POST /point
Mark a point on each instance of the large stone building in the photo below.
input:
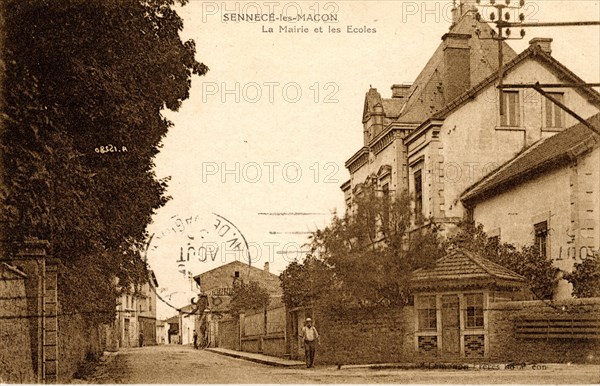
(461, 60)
(443, 133)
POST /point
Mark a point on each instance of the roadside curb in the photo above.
(276, 362)
(456, 366)
(410, 366)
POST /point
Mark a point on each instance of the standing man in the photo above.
(311, 337)
(195, 340)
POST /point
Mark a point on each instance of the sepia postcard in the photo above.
(281, 192)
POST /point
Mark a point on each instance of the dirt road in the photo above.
(180, 364)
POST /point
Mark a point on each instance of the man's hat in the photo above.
(308, 319)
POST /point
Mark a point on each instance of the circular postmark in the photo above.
(188, 246)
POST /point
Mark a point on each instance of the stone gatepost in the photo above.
(42, 306)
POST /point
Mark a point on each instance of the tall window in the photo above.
(386, 206)
(473, 310)
(418, 192)
(554, 114)
(427, 313)
(541, 237)
(512, 110)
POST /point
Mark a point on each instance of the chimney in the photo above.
(372, 116)
(400, 91)
(267, 266)
(464, 7)
(543, 44)
(456, 78)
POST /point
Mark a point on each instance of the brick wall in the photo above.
(506, 347)
(381, 336)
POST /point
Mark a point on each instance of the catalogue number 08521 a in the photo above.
(110, 149)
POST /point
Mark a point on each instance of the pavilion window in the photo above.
(427, 313)
(474, 310)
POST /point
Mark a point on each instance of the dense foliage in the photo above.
(585, 277)
(82, 76)
(365, 259)
(538, 270)
(302, 283)
(248, 296)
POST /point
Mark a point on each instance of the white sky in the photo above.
(212, 130)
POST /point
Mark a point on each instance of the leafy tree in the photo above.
(304, 283)
(249, 296)
(365, 258)
(82, 75)
(539, 271)
(585, 277)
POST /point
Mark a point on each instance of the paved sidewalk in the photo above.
(258, 358)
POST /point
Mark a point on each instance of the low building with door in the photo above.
(451, 303)
(549, 196)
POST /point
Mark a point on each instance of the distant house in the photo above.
(189, 320)
(162, 332)
(548, 195)
(136, 315)
(218, 283)
(217, 286)
(172, 327)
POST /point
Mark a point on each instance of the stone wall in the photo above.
(386, 335)
(16, 364)
(78, 341)
(505, 346)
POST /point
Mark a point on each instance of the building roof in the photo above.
(392, 107)
(545, 154)
(461, 268)
(426, 96)
(223, 277)
(535, 52)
